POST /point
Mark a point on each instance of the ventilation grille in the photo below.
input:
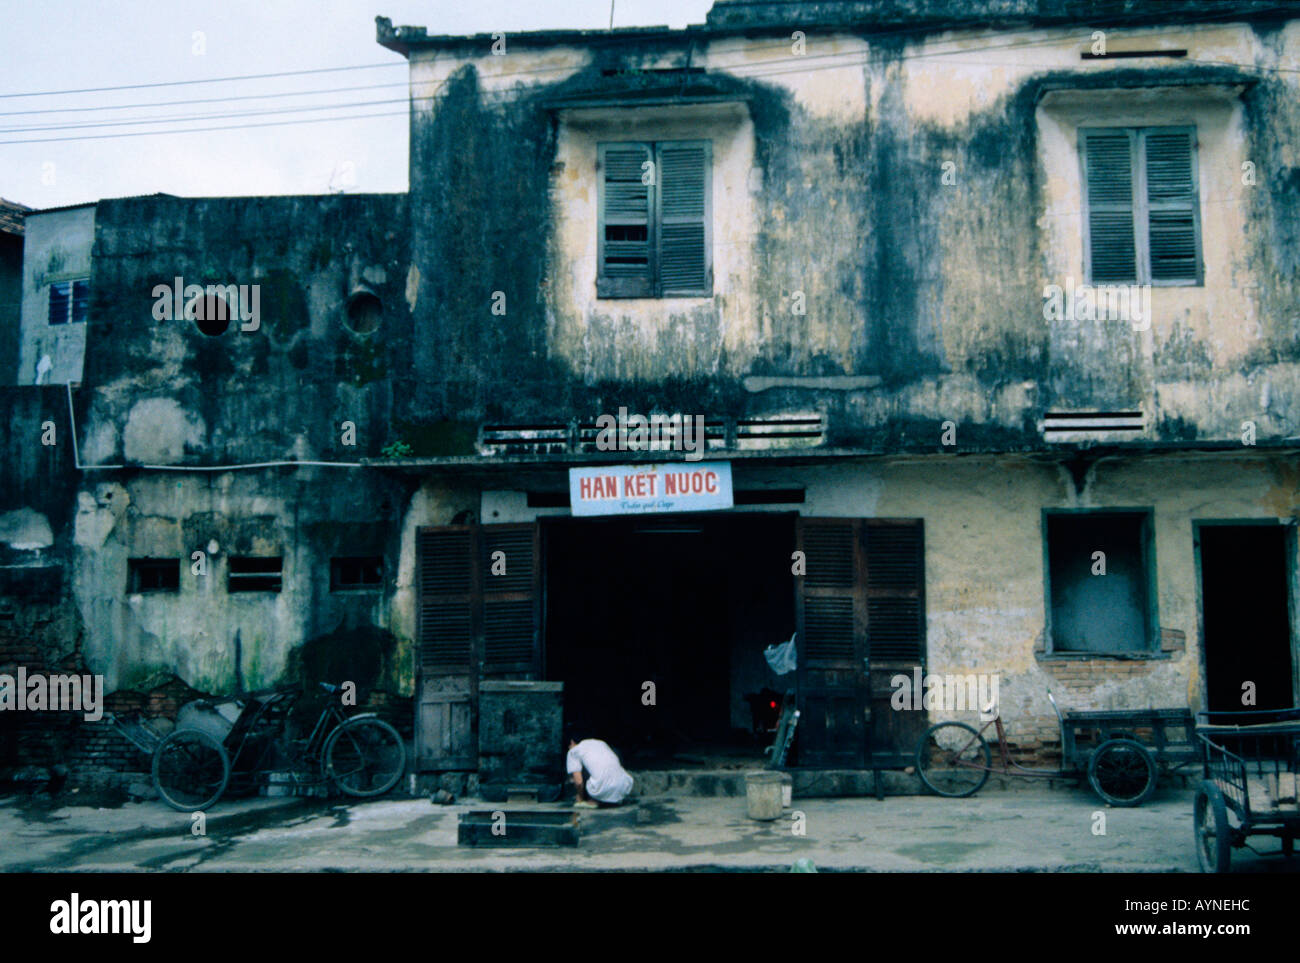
(446, 631)
(781, 431)
(1072, 425)
(894, 556)
(532, 439)
(664, 434)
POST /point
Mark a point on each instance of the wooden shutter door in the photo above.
(447, 613)
(626, 240)
(895, 557)
(1108, 180)
(1173, 213)
(510, 599)
(831, 610)
(684, 188)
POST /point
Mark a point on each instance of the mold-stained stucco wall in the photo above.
(918, 193)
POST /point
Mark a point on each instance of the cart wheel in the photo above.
(953, 760)
(1122, 772)
(1213, 835)
(190, 770)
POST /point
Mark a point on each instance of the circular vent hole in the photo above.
(365, 311)
(212, 315)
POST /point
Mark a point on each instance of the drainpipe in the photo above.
(76, 456)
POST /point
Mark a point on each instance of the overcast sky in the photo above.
(54, 45)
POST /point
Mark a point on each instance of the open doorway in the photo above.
(686, 603)
(1246, 616)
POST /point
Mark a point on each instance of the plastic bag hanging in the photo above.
(781, 657)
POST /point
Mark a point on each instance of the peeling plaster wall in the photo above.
(213, 639)
(57, 247)
(829, 182)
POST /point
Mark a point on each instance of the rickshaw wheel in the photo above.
(190, 770)
(1213, 835)
(1122, 772)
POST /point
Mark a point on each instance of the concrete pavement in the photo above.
(1043, 830)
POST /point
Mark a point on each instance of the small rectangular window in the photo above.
(69, 301)
(254, 573)
(1099, 581)
(356, 572)
(153, 575)
(1142, 209)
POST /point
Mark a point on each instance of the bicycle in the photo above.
(953, 759)
(361, 755)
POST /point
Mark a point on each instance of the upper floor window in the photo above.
(656, 235)
(1143, 223)
(69, 300)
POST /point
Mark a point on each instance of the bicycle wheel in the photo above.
(953, 760)
(190, 770)
(364, 757)
(1122, 772)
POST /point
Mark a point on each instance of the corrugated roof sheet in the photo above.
(11, 216)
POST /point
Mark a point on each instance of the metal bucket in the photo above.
(214, 719)
(763, 794)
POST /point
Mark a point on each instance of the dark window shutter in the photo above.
(833, 612)
(895, 591)
(59, 295)
(446, 600)
(1108, 165)
(1172, 205)
(626, 239)
(510, 600)
(684, 266)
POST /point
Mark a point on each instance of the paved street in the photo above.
(1035, 829)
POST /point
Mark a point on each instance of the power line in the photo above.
(195, 130)
(206, 80)
(206, 100)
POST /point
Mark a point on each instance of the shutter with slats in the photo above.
(831, 618)
(626, 238)
(446, 607)
(684, 266)
(1108, 169)
(895, 592)
(895, 632)
(446, 600)
(510, 625)
(1172, 204)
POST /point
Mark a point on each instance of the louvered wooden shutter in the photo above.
(510, 629)
(626, 240)
(445, 562)
(834, 609)
(1172, 209)
(684, 186)
(1108, 170)
(895, 592)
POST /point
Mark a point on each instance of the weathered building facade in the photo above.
(990, 314)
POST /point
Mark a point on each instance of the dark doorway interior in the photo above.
(1246, 618)
(685, 602)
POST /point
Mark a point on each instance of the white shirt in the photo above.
(607, 781)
